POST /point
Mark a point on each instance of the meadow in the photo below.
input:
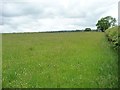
(58, 60)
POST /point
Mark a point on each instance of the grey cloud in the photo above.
(19, 15)
(19, 9)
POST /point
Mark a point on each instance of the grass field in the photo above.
(0, 61)
(58, 60)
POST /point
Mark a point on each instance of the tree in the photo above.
(87, 29)
(105, 23)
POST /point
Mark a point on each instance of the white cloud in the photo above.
(46, 15)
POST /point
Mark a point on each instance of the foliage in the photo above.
(113, 36)
(105, 23)
(58, 60)
(87, 29)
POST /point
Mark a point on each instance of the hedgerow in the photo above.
(113, 36)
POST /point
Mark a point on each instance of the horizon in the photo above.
(75, 30)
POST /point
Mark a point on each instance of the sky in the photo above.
(53, 15)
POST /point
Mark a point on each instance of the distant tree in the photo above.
(105, 23)
(87, 29)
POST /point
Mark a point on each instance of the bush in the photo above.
(113, 36)
(87, 29)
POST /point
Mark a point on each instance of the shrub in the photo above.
(113, 36)
(87, 29)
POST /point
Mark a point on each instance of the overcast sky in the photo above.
(51, 15)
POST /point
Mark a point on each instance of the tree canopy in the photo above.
(105, 23)
(87, 29)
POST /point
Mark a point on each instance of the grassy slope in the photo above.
(58, 60)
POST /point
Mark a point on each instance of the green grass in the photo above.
(59, 60)
(0, 60)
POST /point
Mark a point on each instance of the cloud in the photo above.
(20, 9)
(47, 15)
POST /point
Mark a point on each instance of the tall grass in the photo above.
(0, 61)
(55, 60)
